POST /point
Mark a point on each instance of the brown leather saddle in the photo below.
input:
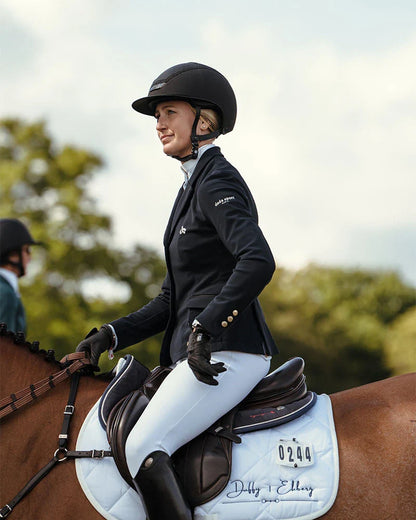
(204, 464)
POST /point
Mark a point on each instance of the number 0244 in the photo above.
(295, 454)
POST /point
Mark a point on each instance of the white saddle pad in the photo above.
(288, 472)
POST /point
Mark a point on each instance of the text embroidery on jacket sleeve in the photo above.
(224, 200)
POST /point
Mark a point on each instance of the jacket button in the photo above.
(224, 324)
(230, 319)
(235, 313)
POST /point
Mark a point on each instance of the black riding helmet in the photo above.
(13, 236)
(199, 85)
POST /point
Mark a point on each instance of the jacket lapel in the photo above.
(169, 227)
(185, 195)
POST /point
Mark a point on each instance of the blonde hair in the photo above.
(211, 118)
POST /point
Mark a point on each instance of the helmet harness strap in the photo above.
(195, 138)
(18, 264)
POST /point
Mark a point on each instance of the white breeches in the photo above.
(183, 407)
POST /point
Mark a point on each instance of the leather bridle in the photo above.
(71, 362)
(72, 365)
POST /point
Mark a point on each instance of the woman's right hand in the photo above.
(96, 342)
(199, 357)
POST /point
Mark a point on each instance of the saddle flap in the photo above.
(120, 424)
(204, 464)
(130, 375)
(126, 413)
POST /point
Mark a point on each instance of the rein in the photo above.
(78, 360)
(15, 401)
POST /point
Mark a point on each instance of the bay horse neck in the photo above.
(30, 436)
(21, 365)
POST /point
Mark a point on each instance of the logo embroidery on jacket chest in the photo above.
(182, 231)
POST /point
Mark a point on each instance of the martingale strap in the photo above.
(15, 401)
(60, 455)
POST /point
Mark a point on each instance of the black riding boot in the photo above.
(160, 489)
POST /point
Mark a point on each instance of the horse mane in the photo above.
(18, 338)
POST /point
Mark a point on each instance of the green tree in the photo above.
(401, 343)
(46, 187)
(337, 320)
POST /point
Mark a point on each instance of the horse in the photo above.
(375, 424)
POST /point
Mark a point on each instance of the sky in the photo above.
(326, 128)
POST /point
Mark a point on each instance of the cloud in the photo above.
(327, 138)
(324, 133)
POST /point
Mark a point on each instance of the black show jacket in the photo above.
(218, 262)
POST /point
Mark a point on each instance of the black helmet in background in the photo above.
(198, 84)
(13, 236)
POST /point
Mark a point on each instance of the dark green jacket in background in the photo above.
(12, 312)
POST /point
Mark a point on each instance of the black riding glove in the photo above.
(199, 356)
(96, 342)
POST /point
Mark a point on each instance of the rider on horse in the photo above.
(218, 261)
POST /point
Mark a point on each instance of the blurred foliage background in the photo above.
(352, 326)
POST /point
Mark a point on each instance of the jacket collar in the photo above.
(184, 196)
(203, 161)
(188, 167)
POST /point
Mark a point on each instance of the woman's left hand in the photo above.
(199, 357)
